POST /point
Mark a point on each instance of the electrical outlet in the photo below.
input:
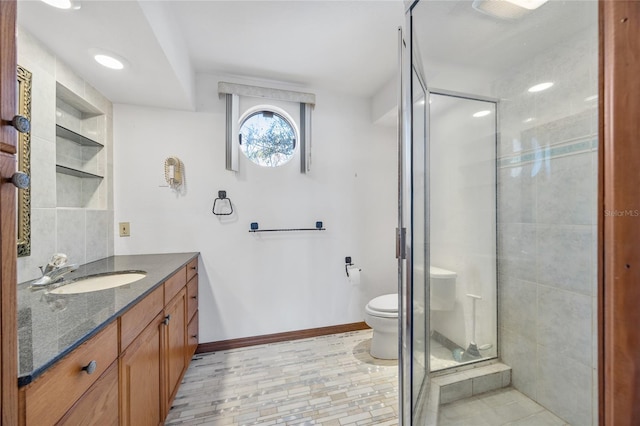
(124, 229)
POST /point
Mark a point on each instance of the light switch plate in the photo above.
(125, 231)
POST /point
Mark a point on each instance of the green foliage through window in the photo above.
(267, 139)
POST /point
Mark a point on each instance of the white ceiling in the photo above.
(346, 45)
(473, 48)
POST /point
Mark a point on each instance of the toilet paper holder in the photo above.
(347, 261)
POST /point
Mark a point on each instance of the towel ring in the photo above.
(222, 195)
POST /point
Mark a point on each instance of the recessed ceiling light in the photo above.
(63, 4)
(540, 87)
(528, 120)
(591, 98)
(528, 4)
(509, 9)
(60, 4)
(108, 59)
(482, 113)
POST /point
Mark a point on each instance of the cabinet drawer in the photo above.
(192, 297)
(192, 269)
(99, 406)
(136, 319)
(49, 397)
(192, 337)
(174, 284)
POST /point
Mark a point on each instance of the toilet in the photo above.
(443, 289)
(381, 313)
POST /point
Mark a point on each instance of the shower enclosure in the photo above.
(498, 173)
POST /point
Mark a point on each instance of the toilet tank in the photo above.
(443, 289)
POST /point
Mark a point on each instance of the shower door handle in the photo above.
(401, 237)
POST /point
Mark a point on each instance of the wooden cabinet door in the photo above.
(192, 337)
(175, 344)
(99, 405)
(140, 385)
(8, 310)
(192, 297)
(8, 247)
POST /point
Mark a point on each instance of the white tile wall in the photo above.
(60, 221)
(546, 232)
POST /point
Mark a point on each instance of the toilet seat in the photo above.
(385, 306)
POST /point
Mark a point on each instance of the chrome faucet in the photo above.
(55, 270)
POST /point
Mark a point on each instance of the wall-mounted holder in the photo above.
(173, 170)
(347, 263)
(225, 208)
(254, 227)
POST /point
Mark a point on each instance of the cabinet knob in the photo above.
(20, 180)
(91, 367)
(194, 297)
(167, 319)
(21, 123)
(195, 336)
(195, 268)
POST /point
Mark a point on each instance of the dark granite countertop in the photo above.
(50, 326)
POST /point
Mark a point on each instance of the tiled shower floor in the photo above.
(501, 407)
(328, 380)
(441, 357)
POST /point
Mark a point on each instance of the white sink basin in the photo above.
(99, 282)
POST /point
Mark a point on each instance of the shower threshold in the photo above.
(450, 386)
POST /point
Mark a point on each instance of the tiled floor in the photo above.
(504, 406)
(329, 380)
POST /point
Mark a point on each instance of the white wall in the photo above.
(255, 284)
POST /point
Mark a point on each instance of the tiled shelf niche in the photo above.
(65, 133)
(74, 172)
(80, 158)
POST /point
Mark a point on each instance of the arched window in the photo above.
(267, 138)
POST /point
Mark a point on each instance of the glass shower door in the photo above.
(413, 243)
(420, 258)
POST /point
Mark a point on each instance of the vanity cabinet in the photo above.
(130, 372)
(153, 364)
(56, 391)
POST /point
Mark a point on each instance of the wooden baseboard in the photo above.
(279, 337)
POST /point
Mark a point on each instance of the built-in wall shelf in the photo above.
(81, 160)
(63, 132)
(75, 172)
